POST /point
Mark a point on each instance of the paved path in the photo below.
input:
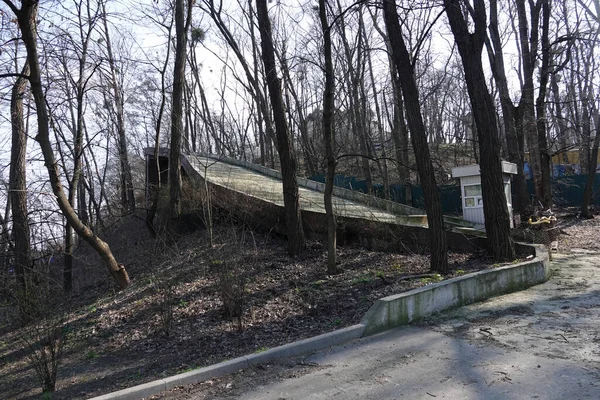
(541, 343)
(254, 184)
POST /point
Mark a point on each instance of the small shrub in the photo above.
(166, 292)
(182, 303)
(319, 283)
(44, 311)
(231, 291)
(360, 280)
(90, 355)
(231, 277)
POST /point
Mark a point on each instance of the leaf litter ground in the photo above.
(118, 339)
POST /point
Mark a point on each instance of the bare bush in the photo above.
(43, 313)
(231, 289)
(165, 288)
(231, 271)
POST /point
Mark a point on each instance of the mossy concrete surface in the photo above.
(404, 308)
(222, 170)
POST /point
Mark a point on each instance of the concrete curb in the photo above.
(404, 308)
(228, 367)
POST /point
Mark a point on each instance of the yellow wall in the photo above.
(572, 156)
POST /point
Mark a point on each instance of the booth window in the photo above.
(472, 196)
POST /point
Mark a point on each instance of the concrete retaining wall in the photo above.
(407, 307)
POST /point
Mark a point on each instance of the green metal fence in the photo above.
(567, 191)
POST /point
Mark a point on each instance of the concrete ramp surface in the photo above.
(253, 183)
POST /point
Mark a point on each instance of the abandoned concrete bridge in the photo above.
(255, 193)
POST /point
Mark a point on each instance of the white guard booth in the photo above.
(470, 189)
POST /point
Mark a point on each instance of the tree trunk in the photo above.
(27, 22)
(254, 89)
(328, 138)
(529, 45)
(287, 159)
(470, 46)
(78, 123)
(589, 183)
(308, 150)
(563, 135)
(6, 246)
(128, 198)
(399, 130)
(437, 234)
(155, 192)
(382, 163)
(182, 23)
(357, 112)
(540, 106)
(18, 185)
(514, 150)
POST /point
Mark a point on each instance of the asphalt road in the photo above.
(541, 343)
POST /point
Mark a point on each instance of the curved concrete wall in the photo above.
(406, 307)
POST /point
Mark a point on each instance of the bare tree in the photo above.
(514, 140)
(328, 137)
(18, 184)
(470, 46)
(589, 184)
(158, 123)
(183, 19)
(287, 158)
(529, 44)
(127, 195)
(27, 18)
(437, 234)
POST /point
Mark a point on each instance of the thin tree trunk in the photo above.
(128, 198)
(155, 192)
(80, 88)
(470, 46)
(589, 183)
(18, 185)
(287, 158)
(27, 16)
(357, 115)
(302, 124)
(214, 13)
(560, 120)
(6, 246)
(514, 150)
(182, 23)
(399, 130)
(382, 163)
(529, 46)
(542, 140)
(437, 234)
(328, 138)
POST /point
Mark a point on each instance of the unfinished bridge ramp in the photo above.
(265, 184)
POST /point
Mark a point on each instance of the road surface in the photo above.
(541, 343)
